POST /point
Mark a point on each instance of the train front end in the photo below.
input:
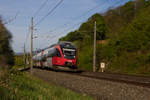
(67, 56)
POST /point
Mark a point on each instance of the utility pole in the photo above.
(31, 52)
(94, 50)
(135, 5)
(24, 56)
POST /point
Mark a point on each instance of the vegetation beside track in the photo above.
(6, 52)
(125, 32)
(16, 85)
(22, 86)
(19, 62)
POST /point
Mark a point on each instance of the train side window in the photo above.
(58, 53)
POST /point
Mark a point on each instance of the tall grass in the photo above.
(25, 87)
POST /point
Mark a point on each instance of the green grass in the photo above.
(26, 87)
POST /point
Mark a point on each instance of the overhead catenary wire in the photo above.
(76, 18)
(28, 34)
(35, 14)
(12, 19)
(118, 2)
(74, 25)
(56, 7)
(27, 37)
(82, 22)
(49, 13)
(80, 16)
(95, 7)
(91, 10)
(41, 7)
(44, 16)
(67, 23)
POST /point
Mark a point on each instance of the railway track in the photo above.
(143, 81)
(102, 86)
(122, 78)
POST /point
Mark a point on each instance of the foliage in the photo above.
(19, 61)
(25, 87)
(72, 36)
(86, 30)
(128, 30)
(83, 38)
(6, 52)
(85, 62)
(128, 51)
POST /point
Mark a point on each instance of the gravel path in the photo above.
(100, 89)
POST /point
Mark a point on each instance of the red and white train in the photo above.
(61, 55)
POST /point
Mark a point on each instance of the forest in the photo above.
(123, 39)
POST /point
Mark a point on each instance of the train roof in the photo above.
(63, 44)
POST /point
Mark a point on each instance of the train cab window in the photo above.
(69, 53)
(58, 53)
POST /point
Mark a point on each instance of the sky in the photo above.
(68, 16)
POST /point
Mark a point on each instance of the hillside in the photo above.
(127, 32)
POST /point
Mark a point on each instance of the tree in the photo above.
(88, 27)
(6, 52)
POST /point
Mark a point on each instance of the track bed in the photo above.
(123, 78)
(99, 88)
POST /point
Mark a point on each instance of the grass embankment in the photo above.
(21, 86)
(19, 62)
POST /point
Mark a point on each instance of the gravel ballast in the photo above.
(99, 89)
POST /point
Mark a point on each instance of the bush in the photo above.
(6, 52)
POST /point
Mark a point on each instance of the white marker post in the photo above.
(102, 66)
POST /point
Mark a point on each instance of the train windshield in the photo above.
(69, 53)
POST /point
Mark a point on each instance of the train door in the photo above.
(57, 59)
(49, 62)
